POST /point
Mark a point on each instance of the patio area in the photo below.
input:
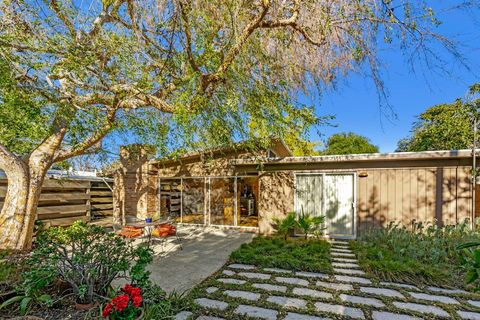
(205, 250)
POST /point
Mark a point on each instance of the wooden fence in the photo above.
(64, 201)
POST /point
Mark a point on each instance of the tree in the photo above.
(176, 72)
(443, 127)
(348, 143)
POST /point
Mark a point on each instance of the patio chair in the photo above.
(165, 230)
(127, 232)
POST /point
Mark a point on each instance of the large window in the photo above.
(170, 199)
(193, 200)
(227, 201)
(222, 201)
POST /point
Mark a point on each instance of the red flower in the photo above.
(107, 310)
(120, 302)
(137, 301)
(127, 288)
(134, 292)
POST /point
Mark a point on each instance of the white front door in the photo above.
(330, 195)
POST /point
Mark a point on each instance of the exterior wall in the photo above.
(441, 194)
(275, 199)
(134, 183)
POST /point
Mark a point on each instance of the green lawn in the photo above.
(295, 253)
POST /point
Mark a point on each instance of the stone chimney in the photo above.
(134, 194)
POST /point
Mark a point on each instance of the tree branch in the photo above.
(188, 35)
(90, 141)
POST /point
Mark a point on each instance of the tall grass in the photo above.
(419, 253)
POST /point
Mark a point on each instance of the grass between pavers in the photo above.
(294, 254)
(234, 302)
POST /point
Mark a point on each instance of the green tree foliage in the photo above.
(348, 143)
(441, 127)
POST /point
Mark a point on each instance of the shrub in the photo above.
(87, 258)
(309, 224)
(285, 226)
(423, 253)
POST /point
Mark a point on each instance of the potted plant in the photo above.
(126, 306)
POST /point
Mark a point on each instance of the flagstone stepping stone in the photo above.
(349, 271)
(400, 285)
(382, 315)
(298, 316)
(429, 297)
(346, 260)
(212, 304)
(345, 265)
(342, 254)
(311, 274)
(277, 270)
(184, 315)
(312, 293)
(422, 308)
(256, 312)
(362, 300)
(382, 292)
(474, 303)
(352, 279)
(296, 281)
(341, 250)
(252, 296)
(447, 291)
(288, 302)
(468, 315)
(231, 281)
(228, 272)
(254, 275)
(211, 289)
(335, 286)
(269, 287)
(242, 266)
(339, 310)
(209, 318)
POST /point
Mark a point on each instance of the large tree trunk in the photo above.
(25, 180)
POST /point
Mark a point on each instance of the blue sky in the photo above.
(355, 102)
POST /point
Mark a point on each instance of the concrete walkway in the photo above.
(205, 250)
(247, 291)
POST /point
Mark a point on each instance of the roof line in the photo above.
(392, 156)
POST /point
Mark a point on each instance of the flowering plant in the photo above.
(126, 306)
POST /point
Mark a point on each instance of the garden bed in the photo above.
(294, 254)
(420, 254)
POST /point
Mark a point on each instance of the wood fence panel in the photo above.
(64, 201)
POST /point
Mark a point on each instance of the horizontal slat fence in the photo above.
(65, 201)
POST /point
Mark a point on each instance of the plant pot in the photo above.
(86, 306)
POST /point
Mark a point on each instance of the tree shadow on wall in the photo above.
(371, 214)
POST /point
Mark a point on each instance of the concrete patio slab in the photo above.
(205, 250)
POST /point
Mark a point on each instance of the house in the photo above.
(233, 187)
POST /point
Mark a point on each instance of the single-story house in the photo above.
(233, 187)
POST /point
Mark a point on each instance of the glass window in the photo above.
(222, 201)
(247, 199)
(170, 199)
(193, 200)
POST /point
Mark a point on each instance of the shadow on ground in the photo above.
(205, 250)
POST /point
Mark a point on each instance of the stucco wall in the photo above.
(276, 198)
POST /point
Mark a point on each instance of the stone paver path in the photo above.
(248, 291)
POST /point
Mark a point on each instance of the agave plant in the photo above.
(285, 226)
